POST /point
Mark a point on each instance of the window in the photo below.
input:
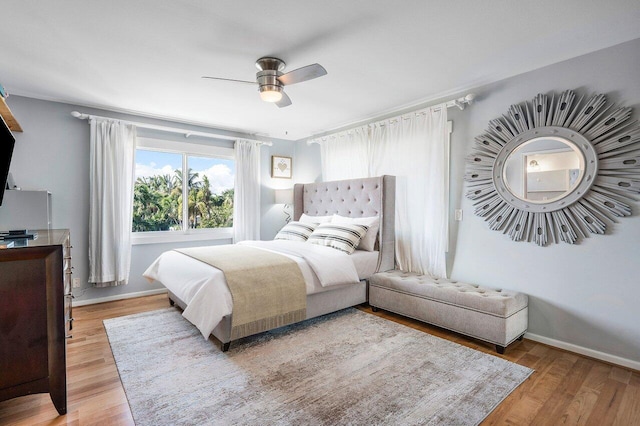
(167, 170)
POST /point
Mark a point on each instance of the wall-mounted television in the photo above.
(7, 142)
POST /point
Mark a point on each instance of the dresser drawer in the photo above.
(68, 285)
(67, 281)
(68, 314)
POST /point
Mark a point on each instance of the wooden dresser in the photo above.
(35, 316)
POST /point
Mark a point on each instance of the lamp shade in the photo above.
(284, 196)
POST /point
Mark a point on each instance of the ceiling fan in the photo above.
(271, 80)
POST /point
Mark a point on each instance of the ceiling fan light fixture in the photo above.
(270, 93)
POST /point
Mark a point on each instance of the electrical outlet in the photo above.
(76, 283)
(458, 215)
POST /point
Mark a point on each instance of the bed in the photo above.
(195, 286)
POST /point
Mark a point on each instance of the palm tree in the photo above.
(192, 182)
(158, 203)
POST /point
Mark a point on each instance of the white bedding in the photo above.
(204, 289)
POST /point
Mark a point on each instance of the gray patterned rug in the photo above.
(349, 367)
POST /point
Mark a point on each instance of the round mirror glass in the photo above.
(543, 170)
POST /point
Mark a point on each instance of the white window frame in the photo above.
(185, 149)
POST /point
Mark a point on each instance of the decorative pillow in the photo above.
(296, 231)
(368, 242)
(344, 237)
(305, 218)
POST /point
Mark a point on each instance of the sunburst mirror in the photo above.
(556, 168)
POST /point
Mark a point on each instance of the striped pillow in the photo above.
(341, 236)
(368, 242)
(296, 231)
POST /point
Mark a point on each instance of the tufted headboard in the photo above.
(364, 197)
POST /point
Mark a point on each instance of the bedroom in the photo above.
(582, 297)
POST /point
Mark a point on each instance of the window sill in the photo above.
(161, 237)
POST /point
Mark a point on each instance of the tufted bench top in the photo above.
(497, 302)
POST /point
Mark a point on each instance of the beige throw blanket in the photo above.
(268, 289)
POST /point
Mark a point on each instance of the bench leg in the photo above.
(374, 309)
(500, 349)
(225, 346)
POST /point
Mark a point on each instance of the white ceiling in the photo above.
(147, 56)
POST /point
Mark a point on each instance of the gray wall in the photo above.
(586, 294)
(53, 153)
(308, 169)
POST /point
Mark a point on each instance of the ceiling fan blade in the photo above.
(230, 79)
(285, 101)
(302, 74)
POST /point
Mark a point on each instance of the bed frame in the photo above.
(352, 198)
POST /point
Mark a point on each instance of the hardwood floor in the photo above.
(566, 388)
(95, 394)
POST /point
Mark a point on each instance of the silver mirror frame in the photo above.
(604, 135)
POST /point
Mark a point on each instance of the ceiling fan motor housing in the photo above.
(268, 80)
(267, 77)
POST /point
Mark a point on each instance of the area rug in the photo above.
(346, 368)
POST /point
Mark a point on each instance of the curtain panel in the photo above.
(414, 149)
(246, 199)
(342, 155)
(112, 171)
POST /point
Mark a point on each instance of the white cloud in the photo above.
(144, 170)
(220, 177)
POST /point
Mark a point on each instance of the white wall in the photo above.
(53, 153)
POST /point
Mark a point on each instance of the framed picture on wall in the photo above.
(281, 167)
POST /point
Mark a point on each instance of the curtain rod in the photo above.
(460, 103)
(186, 133)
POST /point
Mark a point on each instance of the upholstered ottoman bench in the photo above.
(496, 316)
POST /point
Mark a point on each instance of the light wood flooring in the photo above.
(566, 388)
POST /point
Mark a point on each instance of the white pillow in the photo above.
(305, 218)
(295, 231)
(344, 237)
(368, 242)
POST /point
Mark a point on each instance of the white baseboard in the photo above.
(118, 297)
(613, 359)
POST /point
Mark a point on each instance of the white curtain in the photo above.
(112, 157)
(246, 199)
(341, 155)
(414, 149)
